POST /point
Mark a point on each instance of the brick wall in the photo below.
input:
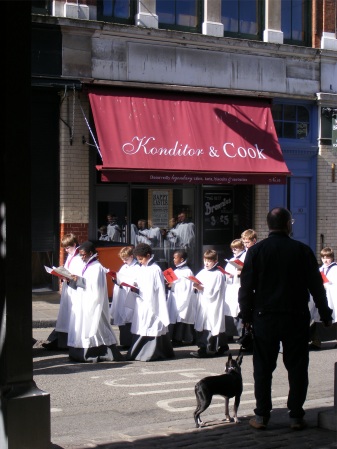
(74, 168)
(326, 199)
(261, 210)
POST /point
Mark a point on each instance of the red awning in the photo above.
(165, 138)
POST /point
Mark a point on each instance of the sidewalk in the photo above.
(216, 434)
(45, 305)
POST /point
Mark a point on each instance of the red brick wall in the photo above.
(324, 17)
(329, 16)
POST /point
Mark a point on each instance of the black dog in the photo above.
(227, 385)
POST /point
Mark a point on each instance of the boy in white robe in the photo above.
(210, 318)
(318, 332)
(123, 299)
(90, 337)
(181, 301)
(58, 339)
(233, 323)
(150, 339)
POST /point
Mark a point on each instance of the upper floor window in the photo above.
(41, 7)
(120, 11)
(295, 22)
(241, 18)
(179, 14)
(291, 122)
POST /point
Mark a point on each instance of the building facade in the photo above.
(273, 55)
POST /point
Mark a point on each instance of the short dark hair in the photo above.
(278, 218)
(142, 250)
(88, 247)
(181, 252)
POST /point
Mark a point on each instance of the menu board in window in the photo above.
(217, 217)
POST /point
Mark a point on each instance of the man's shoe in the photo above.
(259, 422)
(298, 424)
(313, 347)
(200, 354)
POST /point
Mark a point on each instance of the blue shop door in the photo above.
(299, 206)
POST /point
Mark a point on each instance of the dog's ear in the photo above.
(239, 359)
(229, 356)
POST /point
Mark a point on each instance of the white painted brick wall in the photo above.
(326, 199)
(74, 161)
(261, 211)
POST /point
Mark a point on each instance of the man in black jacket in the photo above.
(276, 279)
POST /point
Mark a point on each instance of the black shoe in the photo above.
(298, 424)
(313, 347)
(259, 422)
(200, 354)
(222, 350)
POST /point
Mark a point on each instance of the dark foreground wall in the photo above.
(25, 410)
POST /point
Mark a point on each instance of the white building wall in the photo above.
(327, 198)
(74, 162)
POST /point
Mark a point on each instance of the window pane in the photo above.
(116, 8)
(278, 128)
(297, 20)
(302, 130)
(177, 12)
(230, 15)
(289, 130)
(286, 18)
(166, 11)
(302, 114)
(277, 111)
(289, 113)
(186, 12)
(248, 16)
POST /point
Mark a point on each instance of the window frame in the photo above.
(260, 24)
(308, 107)
(307, 18)
(196, 29)
(111, 19)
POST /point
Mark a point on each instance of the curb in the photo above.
(40, 324)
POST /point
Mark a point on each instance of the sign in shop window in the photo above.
(217, 217)
(160, 207)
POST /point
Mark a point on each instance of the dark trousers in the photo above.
(293, 331)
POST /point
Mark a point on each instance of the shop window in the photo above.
(179, 14)
(291, 122)
(119, 11)
(41, 7)
(328, 134)
(165, 218)
(295, 21)
(241, 18)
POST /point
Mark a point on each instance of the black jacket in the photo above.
(278, 275)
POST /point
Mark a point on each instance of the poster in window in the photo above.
(217, 217)
(160, 207)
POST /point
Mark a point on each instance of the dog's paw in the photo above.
(227, 419)
(236, 420)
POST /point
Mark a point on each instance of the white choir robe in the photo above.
(181, 299)
(331, 293)
(150, 318)
(90, 318)
(74, 264)
(123, 298)
(186, 234)
(210, 302)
